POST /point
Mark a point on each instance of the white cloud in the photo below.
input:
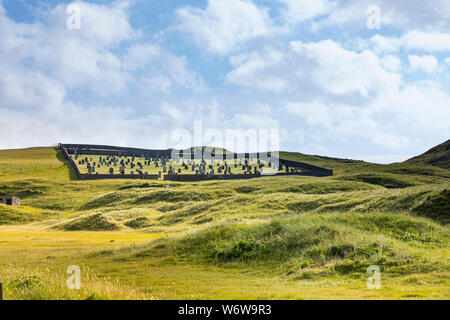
(103, 24)
(395, 121)
(53, 79)
(314, 113)
(391, 63)
(297, 11)
(77, 58)
(326, 122)
(161, 69)
(225, 25)
(322, 68)
(88, 58)
(423, 105)
(385, 44)
(413, 40)
(426, 64)
(402, 14)
(429, 41)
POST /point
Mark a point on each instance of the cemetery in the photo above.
(108, 162)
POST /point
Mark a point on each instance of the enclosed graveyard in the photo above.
(93, 162)
(161, 166)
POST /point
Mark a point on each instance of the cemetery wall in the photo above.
(314, 170)
(200, 177)
(91, 149)
(118, 176)
(305, 173)
(74, 166)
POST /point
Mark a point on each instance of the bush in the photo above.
(241, 250)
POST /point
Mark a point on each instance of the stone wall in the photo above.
(91, 149)
(201, 177)
(118, 176)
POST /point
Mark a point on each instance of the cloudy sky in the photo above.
(334, 78)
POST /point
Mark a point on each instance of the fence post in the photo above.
(1, 291)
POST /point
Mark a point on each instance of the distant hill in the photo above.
(438, 156)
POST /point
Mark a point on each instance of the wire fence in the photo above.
(20, 170)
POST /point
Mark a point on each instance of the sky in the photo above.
(366, 80)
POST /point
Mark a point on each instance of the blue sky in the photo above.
(137, 71)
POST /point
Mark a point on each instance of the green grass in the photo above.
(437, 156)
(267, 238)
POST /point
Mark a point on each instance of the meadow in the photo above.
(284, 237)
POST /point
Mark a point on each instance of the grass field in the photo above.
(267, 238)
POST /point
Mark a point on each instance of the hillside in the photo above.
(438, 156)
(271, 238)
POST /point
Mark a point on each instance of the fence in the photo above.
(20, 170)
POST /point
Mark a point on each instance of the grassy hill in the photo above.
(270, 238)
(438, 156)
